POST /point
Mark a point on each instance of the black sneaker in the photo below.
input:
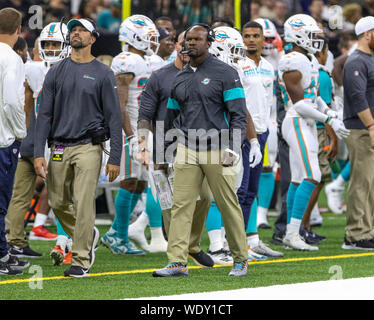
(202, 259)
(25, 252)
(94, 247)
(77, 272)
(366, 245)
(277, 239)
(309, 237)
(7, 270)
(17, 264)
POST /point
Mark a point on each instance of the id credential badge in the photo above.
(58, 153)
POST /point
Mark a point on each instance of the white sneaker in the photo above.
(158, 245)
(221, 257)
(253, 256)
(293, 240)
(139, 237)
(335, 197)
(315, 217)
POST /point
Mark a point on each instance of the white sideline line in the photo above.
(348, 289)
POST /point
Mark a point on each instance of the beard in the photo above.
(252, 51)
(78, 44)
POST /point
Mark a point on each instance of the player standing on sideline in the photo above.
(12, 125)
(258, 80)
(298, 72)
(271, 51)
(132, 72)
(52, 48)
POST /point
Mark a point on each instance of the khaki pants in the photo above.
(199, 218)
(71, 194)
(360, 202)
(23, 192)
(189, 171)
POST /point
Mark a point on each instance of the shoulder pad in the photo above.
(126, 62)
(293, 61)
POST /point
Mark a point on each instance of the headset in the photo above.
(211, 35)
(95, 33)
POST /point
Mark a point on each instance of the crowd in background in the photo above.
(337, 17)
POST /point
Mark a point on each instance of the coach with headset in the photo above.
(212, 121)
(79, 109)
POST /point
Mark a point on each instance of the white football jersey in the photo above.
(35, 72)
(258, 82)
(156, 62)
(131, 63)
(308, 66)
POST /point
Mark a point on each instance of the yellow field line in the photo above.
(111, 273)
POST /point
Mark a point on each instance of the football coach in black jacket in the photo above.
(212, 123)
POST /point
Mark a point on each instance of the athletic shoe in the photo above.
(25, 252)
(221, 257)
(202, 259)
(7, 270)
(277, 239)
(316, 221)
(294, 241)
(310, 237)
(57, 255)
(335, 197)
(120, 246)
(253, 256)
(41, 233)
(139, 237)
(266, 251)
(239, 269)
(17, 264)
(158, 245)
(366, 245)
(174, 269)
(67, 258)
(77, 272)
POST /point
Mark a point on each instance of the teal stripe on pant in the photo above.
(303, 149)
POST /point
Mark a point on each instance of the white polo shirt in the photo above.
(258, 83)
(12, 96)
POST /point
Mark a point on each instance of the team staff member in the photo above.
(79, 98)
(210, 97)
(358, 82)
(153, 109)
(12, 125)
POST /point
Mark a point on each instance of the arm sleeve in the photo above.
(44, 119)
(112, 116)
(234, 99)
(149, 99)
(355, 84)
(14, 101)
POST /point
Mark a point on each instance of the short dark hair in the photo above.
(10, 20)
(253, 24)
(20, 44)
(225, 20)
(164, 18)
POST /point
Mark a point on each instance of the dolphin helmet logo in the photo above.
(296, 24)
(221, 36)
(139, 23)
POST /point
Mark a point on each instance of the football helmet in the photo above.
(270, 34)
(303, 31)
(57, 32)
(228, 45)
(141, 33)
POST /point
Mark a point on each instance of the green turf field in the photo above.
(118, 277)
